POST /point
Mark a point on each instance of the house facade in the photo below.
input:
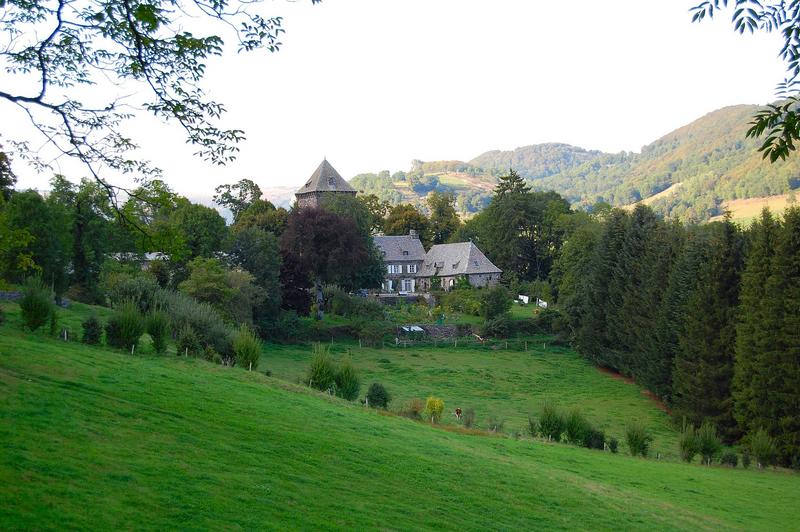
(410, 269)
(449, 262)
(325, 181)
(403, 257)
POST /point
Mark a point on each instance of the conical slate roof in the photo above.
(325, 179)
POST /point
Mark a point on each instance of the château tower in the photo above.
(325, 181)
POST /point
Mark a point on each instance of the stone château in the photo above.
(325, 181)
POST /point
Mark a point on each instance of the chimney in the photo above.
(412, 232)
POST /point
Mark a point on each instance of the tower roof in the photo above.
(325, 179)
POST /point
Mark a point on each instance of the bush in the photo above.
(463, 301)
(576, 427)
(246, 348)
(125, 326)
(638, 438)
(413, 409)
(434, 407)
(204, 320)
(37, 304)
(54, 322)
(551, 422)
(371, 333)
(188, 343)
(347, 382)
(533, 427)
(613, 445)
(468, 418)
(708, 442)
(339, 302)
(594, 439)
(688, 444)
(143, 290)
(498, 327)
(2, 317)
(211, 355)
(92, 330)
(285, 327)
(746, 458)
(763, 448)
(322, 370)
(377, 396)
(158, 328)
(729, 458)
(495, 301)
(495, 424)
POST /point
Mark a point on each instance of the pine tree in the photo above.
(513, 183)
(703, 368)
(753, 338)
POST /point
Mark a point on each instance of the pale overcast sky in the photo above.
(373, 84)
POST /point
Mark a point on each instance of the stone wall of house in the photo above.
(479, 280)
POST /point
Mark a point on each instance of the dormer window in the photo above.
(405, 253)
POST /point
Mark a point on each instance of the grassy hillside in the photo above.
(98, 439)
(710, 158)
(504, 384)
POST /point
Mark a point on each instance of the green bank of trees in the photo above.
(707, 317)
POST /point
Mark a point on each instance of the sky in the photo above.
(373, 84)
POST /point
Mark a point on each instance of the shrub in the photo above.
(638, 438)
(54, 322)
(2, 316)
(413, 409)
(37, 303)
(371, 333)
(246, 348)
(92, 330)
(204, 320)
(125, 326)
(763, 448)
(377, 396)
(495, 424)
(322, 370)
(729, 458)
(495, 301)
(347, 382)
(498, 327)
(746, 458)
(468, 418)
(463, 301)
(211, 355)
(688, 444)
(158, 328)
(285, 326)
(143, 290)
(551, 422)
(613, 445)
(188, 343)
(576, 427)
(433, 409)
(533, 427)
(594, 439)
(708, 442)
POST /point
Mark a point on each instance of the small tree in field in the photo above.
(37, 303)
(551, 422)
(708, 442)
(347, 382)
(158, 328)
(763, 448)
(246, 348)
(378, 396)
(495, 302)
(322, 370)
(92, 330)
(688, 443)
(433, 409)
(125, 326)
(638, 438)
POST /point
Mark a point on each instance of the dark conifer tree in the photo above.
(513, 183)
(704, 363)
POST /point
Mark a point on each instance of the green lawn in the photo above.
(503, 383)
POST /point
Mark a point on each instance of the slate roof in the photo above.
(395, 246)
(463, 258)
(325, 179)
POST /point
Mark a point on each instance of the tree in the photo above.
(444, 220)
(511, 183)
(202, 230)
(378, 209)
(258, 252)
(403, 218)
(7, 177)
(263, 215)
(58, 47)
(779, 121)
(237, 197)
(325, 247)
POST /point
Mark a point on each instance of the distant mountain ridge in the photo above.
(694, 170)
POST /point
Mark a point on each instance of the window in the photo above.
(412, 268)
(394, 268)
(405, 253)
(407, 285)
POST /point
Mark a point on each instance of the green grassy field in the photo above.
(93, 438)
(506, 384)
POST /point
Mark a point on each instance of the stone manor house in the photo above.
(409, 268)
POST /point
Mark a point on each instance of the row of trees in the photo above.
(705, 316)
